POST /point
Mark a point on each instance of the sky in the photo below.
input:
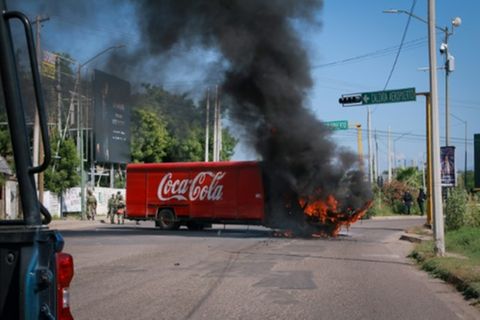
(351, 50)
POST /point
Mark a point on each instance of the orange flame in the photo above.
(327, 212)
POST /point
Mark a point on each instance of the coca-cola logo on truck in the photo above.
(191, 189)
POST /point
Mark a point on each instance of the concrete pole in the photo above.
(59, 95)
(377, 173)
(360, 145)
(219, 128)
(370, 149)
(37, 139)
(207, 125)
(465, 172)
(80, 143)
(429, 163)
(215, 123)
(437, 187)
(447, 72)
(389, 154)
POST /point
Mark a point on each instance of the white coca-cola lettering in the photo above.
(191, 189)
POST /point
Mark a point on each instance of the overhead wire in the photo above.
(413, 44)
(414, 2)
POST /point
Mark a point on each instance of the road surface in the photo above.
(138, 272)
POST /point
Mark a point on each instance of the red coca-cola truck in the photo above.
(195, 194)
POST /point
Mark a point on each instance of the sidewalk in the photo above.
(75, 224)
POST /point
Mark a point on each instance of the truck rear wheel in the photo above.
(166, 220)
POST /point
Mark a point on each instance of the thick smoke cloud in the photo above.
(267, 80)
(265, 75)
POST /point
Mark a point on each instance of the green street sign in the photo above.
(337, 125)
(389, 96)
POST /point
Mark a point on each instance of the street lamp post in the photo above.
(80, 124)
(449, 60)
(439, 233)
(394, 148)
(465, 162)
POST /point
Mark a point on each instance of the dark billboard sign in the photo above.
(447, 159)
(112, 118)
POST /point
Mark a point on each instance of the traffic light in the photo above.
(350, 99)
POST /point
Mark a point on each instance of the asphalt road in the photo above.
(138, 272)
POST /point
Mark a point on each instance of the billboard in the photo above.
(447, 159)
(112, 118)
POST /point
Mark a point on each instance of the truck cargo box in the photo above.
(195, 192)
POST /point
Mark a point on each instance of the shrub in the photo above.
(455, 209)
(472, 214)
(378, 208)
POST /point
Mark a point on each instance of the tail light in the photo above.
(64, 276)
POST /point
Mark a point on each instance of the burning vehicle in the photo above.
(197, 194)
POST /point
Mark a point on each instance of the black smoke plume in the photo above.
(265, 75)
(267, 79)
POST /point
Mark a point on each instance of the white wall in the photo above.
(71, 200)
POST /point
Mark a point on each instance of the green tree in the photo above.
(62, 173)
(228, 145)
(187, 147)
(185, 124)
(411, 176)
(150, 138)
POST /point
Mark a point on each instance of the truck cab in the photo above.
(34, 272)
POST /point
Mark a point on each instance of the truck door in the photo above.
(250, 202)
(225, 206)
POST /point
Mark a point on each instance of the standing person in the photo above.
(407, 201)
(120, 208)
(91, 205)
(421, 200)
(111, 208)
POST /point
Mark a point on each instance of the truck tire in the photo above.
(166, 220)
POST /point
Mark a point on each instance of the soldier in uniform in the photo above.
(91, 205)
(111, 208)
(120, 207)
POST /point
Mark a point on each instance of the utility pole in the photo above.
(437, 187)
(59, 95)
(215, 122)
(377, 174)
(207, 125)
(219, 127)
(449, 67)
(360, 145)
(429, 174)
(389, 154)
(37, 141)
(80, 142)
(370, 151)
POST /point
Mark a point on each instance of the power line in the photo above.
(401, 44)
(413, 44)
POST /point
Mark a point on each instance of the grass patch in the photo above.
(465, 241)
(461, 265)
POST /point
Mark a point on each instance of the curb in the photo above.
(73, 224)
(465, 288)
(397, 217)
(414, 238)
